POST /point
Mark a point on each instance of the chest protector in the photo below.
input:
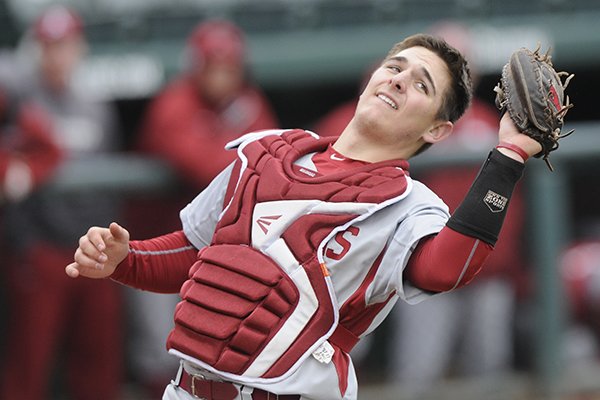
(259, 299)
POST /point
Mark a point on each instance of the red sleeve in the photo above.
(446, 261)
(158, 265)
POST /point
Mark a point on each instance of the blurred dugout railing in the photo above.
(548, 214)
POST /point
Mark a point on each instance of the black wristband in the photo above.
(482, 212)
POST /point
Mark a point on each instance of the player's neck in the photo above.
(360, 148)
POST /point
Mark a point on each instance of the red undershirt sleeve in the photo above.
(454, 256)
(446, 261)
(158, 265)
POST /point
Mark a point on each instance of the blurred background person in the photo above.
(28, 158)
(580, 277)
(467, 332)
(187, 125)
(55, 321)
(211, 103)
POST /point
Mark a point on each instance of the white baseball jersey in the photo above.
(365, 262)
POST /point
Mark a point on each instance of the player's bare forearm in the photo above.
(99, 253)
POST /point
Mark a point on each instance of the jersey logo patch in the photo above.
(495, 202)
(266, 221)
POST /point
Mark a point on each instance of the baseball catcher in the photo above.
(533, 93)
(300, 248)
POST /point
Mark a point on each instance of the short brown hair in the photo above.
(458, 98)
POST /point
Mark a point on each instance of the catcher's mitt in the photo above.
(533, 93)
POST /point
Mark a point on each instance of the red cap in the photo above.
(57, 23)
(217, 40)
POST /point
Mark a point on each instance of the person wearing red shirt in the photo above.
(28, 157)
(51, 320)
(211, 103)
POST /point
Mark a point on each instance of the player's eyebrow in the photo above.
(424, 71)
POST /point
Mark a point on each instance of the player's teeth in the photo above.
(388, 100)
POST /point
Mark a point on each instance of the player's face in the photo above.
(402, 99)
(220, 82)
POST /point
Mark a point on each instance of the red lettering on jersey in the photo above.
(342, 241)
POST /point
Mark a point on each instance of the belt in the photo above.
(207, 389)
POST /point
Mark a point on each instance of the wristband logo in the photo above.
(495, 202)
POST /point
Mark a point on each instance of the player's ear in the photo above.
(438, 132)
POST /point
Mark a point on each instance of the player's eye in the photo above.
(394, 68)
(422, 87)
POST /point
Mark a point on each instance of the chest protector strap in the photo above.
(259, 299)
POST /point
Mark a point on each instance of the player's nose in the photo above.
(398, 81)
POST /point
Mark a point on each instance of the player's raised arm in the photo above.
(100, 251)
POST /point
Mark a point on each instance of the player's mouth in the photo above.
(387, 100)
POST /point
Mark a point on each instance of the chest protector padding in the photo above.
(258, 298)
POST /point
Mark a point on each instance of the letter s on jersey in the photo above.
(343, 242)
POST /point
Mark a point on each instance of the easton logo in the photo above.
(495, 202)
(266, 221)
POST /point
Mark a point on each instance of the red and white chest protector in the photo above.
(259, 299)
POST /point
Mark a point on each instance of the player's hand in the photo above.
(100, 251)
(508, 132)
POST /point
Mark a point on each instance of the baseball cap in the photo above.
(56, 23)
(217, 40)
